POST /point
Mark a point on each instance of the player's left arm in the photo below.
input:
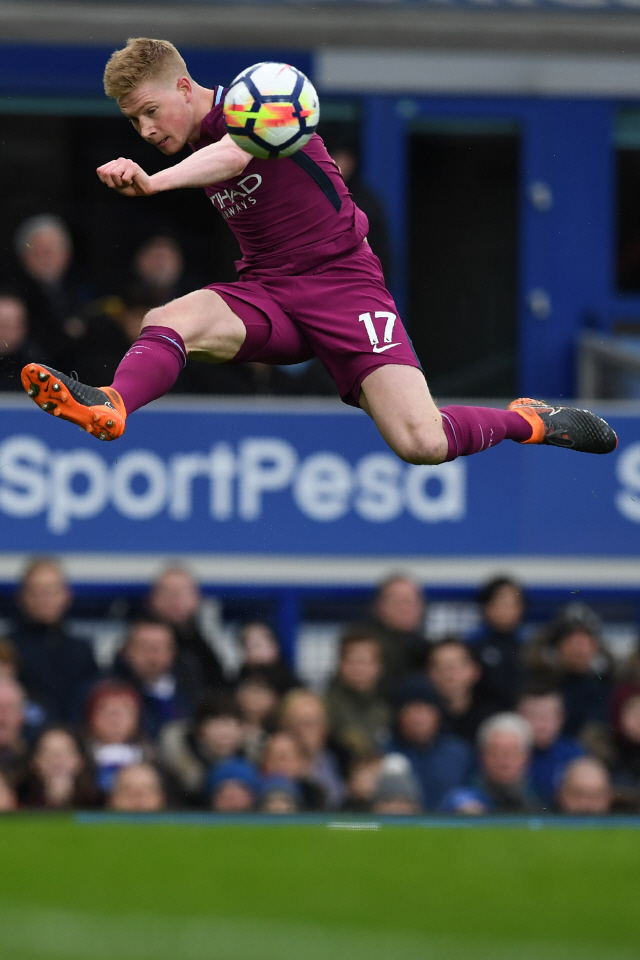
(219, 161)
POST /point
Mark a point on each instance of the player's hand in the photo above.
(126, 177)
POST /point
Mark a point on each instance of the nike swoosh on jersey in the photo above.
(378, 349)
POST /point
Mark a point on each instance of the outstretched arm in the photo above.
(219, 161)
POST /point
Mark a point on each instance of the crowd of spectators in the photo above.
(494, 722)
(51, 313)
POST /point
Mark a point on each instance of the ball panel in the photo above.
(276, 78)
(238, 105)
(246, 73)
(294, 147)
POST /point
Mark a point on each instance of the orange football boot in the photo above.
(98, 410)
(566, 427)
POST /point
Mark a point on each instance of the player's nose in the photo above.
(147, 130)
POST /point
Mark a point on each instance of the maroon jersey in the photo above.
(290, 215)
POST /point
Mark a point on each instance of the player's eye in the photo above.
(151, 111)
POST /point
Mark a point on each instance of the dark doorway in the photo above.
(463, 257)
(47, 165)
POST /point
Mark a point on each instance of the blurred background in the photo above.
(250, 604)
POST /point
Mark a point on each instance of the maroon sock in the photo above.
(150, 368)
(472, 429)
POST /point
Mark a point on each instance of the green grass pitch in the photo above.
(168, 891)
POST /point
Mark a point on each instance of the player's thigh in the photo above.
(398, 399)
(350, 320)
(272, 336)
(206, 323)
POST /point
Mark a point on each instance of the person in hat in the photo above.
(233, 786)
(280, 794)
(570, 653)
(398, 790)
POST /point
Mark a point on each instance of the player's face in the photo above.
(161, 113)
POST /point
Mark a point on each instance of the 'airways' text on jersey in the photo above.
(236, 199)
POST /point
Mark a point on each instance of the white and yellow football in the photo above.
(271, 110)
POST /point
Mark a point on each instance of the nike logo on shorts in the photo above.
(378, 349)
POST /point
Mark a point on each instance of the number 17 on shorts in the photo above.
(370, 325)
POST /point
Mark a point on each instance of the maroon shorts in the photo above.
(340, 312)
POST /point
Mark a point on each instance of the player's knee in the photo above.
(204, 328)
(189, 328)
(421, 447)
(158, 317)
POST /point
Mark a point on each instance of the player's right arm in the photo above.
(212, 164)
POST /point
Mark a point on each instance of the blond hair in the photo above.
(298, 695)
(142, 59)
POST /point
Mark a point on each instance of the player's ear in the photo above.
(185, 87)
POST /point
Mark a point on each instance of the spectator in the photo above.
(16, 349)
(505, 742)
(280, 795)
(137, 789)
(569, 652)
(58, 777)
(398, 619)
(159, 268)
(167, 681)
(630, 668)
(497, 645)
(113, 723)
(440, 761)
(188, 749)
(52, 296)
(8, 798)
(304, 716)
(346, 159)
(55, 668)
(33, 713)
(283, 757)
(158, 264)
(397, 791)
(258, 701)
(8, 660)
(359, 717)
(455, 676)
(13, 746)
(552, 751)
(260, 649)
(233, 787)
(176, 599)
(585, 690)
(585, 788)
(111, 325)
(626, 756)
(362, 781)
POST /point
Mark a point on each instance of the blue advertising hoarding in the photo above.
(297, 480)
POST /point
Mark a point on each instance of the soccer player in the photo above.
(309, 285)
